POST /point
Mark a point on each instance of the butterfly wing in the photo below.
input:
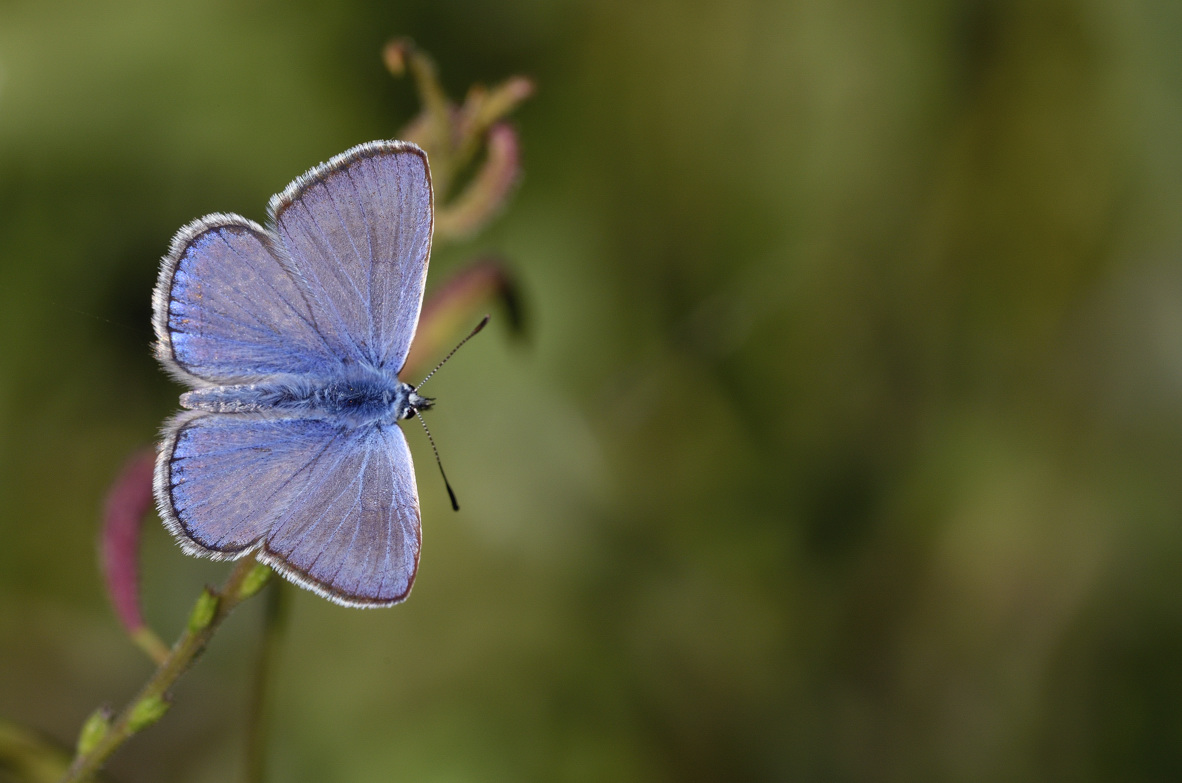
(342, 281)
(333, 509)
(357, 233)
(226, 310)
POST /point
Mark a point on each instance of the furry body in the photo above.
(359, 399)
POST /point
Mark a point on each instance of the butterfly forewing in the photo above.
(358, 233)
(227, 310)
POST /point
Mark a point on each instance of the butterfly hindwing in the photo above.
(334, 509)
(355, 532)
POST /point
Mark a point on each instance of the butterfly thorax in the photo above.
(368, 398)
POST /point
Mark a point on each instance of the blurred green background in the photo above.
(845, 444)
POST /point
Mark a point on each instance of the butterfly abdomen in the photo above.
(359, 401)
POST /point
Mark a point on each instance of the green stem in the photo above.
(258, 717)
(100, 737)
(147, 640)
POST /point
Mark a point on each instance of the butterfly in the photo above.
(291, 338)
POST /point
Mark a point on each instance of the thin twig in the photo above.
(100, 737)
(258, 718)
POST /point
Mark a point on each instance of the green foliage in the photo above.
(146, 711)
(94, 730)
(204, 611)
(256, 580)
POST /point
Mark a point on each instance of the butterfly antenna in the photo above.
(471, 334)
(454, 503)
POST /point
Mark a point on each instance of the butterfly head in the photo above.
(416, 403)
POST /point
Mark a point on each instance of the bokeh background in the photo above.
(845, 442)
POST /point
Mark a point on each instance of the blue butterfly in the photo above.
(291, 339)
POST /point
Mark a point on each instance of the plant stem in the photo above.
(150, 704)
(258, 718)
(147, 640)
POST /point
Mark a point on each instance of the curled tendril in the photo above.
(128, 502)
